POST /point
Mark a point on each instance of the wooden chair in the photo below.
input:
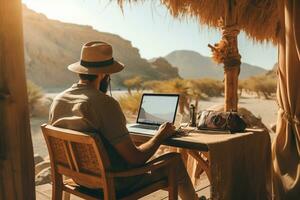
(83, 158)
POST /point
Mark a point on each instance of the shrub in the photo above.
(34, 94)
(207, 87)
(262, 84)
(133, 83)
(130, 103)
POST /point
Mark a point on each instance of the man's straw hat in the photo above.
(96, 57)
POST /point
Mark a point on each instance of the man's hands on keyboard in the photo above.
(145, 126)
(166, 130)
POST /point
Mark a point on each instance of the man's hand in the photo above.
(139, 155)
(165, 131)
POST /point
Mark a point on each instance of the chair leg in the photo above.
(173, 185)
(109, 191)
(173, 193)
(66, 196)
(57, 186)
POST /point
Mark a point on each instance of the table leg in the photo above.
(201, 162)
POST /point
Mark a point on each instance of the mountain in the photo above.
(192, 65)
(145, 116)
(51, 45)
(164, 68)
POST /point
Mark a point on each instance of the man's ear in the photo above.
(104, 83)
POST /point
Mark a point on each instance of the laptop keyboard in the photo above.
(151, 127)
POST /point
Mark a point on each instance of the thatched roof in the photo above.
(259, 19)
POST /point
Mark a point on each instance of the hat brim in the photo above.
(109, 69)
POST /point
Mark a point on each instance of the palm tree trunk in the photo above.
(231, 88)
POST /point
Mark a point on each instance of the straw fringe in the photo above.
(257, 18)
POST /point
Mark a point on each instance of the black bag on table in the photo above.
(221, 121)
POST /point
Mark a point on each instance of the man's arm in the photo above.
(139, 155)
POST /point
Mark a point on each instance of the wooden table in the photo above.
(198, 151)
(181, 142)
(198, 143)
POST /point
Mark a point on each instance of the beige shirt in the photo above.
(86, 109)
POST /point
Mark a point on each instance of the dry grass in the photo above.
(264, 85)
(205, 88)
(133, 83)
(34, 94)
(130, 103)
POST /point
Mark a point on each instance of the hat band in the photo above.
(97, 64)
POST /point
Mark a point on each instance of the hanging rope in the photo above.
(293, 120)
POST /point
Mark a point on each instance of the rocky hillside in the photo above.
(51, 45)
(192, 65)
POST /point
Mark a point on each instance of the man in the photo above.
(84, 107)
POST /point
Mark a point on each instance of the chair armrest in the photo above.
(152, 165)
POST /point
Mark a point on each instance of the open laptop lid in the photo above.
(155, 109)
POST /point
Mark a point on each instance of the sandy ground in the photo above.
(266, 109)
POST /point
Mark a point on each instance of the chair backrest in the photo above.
(77, 155)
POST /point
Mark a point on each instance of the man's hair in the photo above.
(88, 77)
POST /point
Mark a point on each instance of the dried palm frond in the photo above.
(257, 18)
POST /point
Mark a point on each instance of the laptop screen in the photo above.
(158, 108)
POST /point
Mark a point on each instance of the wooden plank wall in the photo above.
(16, 152)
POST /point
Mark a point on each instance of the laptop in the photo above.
(155, 109)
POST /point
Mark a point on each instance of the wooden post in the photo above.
(232, 62)
(16, 151)
(226, 52)
(231, 76)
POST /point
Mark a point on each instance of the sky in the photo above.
(150, 28)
